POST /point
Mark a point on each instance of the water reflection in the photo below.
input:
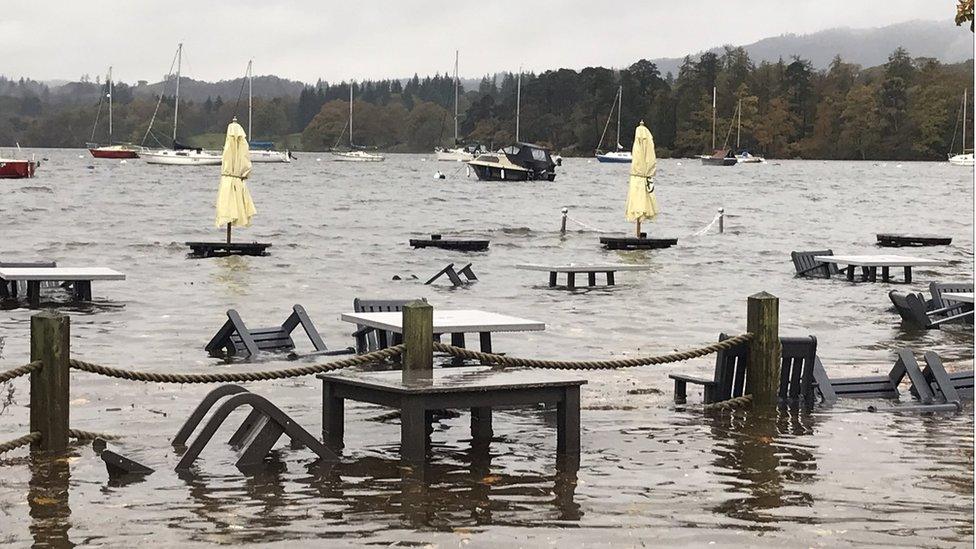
(233, 274)
(47, 496)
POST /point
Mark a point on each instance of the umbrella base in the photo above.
(221, 249)
(633, 243)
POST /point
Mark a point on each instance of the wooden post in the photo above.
(765, 349)
(228, 233)
(418, 339)
(51, 344)
(638, 229)
(562, 228)
(721, 220)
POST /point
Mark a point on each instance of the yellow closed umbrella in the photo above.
(234, 204)
(641, 203)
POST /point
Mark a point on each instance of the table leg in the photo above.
(333, 418)
(82, 289)
(873, 274)
(34, 293)
(864, 274)
(568, 422)
(610, 281)
(382, 341)
(552, 279)
(591, 278)
(570, 280)
(908, 275)
(457, 340)
(481, 423)
(850, 273)
(413, 431)
(485, 342)
(397, 338)
(885, 274)
(4, 289)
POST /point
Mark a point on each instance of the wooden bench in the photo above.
(946, 386)
(806, 266)
(940, 289)
(235, 338)
(79, 278)
(366, 337)
(797, 383)
(222, 249)
(436, 241)
(913, 311)
(880, 386)
(901, 240)
(455, 275)
(571, 270)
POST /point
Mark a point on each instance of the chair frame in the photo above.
(249, 342)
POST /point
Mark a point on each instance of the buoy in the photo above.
(123, 161)
(423, 159)
(439, 175)
(318, 159)
(679, 163)
(81, 156)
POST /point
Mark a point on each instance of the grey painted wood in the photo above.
(581, 268)
(806, 266)
(235, 338)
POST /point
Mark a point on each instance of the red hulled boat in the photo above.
(110, 150)
(113, 151)
(16, 169)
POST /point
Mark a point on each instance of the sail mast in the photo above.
(738, 130)
(518, 104)
(350, 115)
(176, 109)
(964, 92)
(620, 104)
(456, 55)
(111, 90)
(250, 78)
(714, 91)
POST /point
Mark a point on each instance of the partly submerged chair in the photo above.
(913, 311)
(796, 377)
(880, 386)
(939, 289)
(945, 386)
(367, 339)
(806, 266)
(235, 338)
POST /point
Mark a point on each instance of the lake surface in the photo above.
(649, 474)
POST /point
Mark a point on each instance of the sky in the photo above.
(310, 39)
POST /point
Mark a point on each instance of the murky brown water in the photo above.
(649, 474)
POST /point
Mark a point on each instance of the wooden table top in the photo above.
(59, 273)
(879, 260)
(581, 267)
(961, 297)
(448, 321)
(456, 380)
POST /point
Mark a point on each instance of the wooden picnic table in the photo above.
(456, 322)
(960, 297)
(477, 388)
(869, 265)
(79, 277)
(572, 269)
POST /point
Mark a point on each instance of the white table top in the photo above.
(878, 260)
(962, 297)
(582, 267)
(59, 273)
(448, 322)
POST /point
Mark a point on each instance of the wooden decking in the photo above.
(222, 249)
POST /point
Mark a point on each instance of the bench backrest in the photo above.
(796, 383)
(806, 266)
(939, 288)
(911, 308)
(377, 306)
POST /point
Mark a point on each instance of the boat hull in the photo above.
(181, 158)
(614, 158)
(722, 161)
(454, 156)
(357, 157)
(270, 157)
(962, 160)
(113, 153)
(750, 160)
(497, 173)
(17, 169)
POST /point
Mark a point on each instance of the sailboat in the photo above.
(963, 158)
(719, 157)
(109, 151)
(260, 151)
(456, 154)
(354, 155)
(743, 157)
(180, 154)
(620, 155)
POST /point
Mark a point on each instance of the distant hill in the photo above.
(942, 40)
(197, 90)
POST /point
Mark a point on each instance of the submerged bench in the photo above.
(634, 243)
(571, 270)
(902, 240)
(455, 275)
(435, 241)
(79, 278)
(235, 338)
(222, 249)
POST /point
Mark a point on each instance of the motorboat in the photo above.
(965, 159)
(519, 162)
(745, 158)
(260, 151)
(721, 157)
(11, 168)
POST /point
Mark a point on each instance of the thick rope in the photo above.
(20, 371)
(593, 364)
(89, 435)
(18, 442)
(737, 402)
(235, 377)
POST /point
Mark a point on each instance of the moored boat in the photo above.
(459, 154)
(17, 169)
(356, 156)
(110, 150)
(745, 158)
(965, 156)
(721, 157)
(519, 162)
(620, 155)
(260, 151)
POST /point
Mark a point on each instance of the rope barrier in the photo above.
(90, 435)
(234, 377)
(708, 227)
(737, 402)
(18, 442)
(593, 364)
(20, 371)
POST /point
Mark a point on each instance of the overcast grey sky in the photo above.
(310, 39)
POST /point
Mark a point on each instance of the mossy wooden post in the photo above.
(418, 338)
(50, 344)
(765, 349)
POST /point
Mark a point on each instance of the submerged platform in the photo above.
(903, 240)
(435, 241)
(221, 249)
(634, 243)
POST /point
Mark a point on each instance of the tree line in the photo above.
(905, 109)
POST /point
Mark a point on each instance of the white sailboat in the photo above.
(743, 156)
(354, 155)
(179, 154)
(620, 155)
(260, 151)
(963, 158)
(456, 154)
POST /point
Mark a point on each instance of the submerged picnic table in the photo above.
(869, 265)
(477, 388)
(79, 277)
(457, 323)
(572, 269)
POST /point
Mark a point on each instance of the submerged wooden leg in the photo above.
(481, 423)
(864, 274)
(457, 340)
(485, 342)
(680, 391)
(873, 274)
(413, 432)
(34, 293)
(850, 273)
(885, 274)
(333, 418)
(570, 280)
(591, 278)
(568, 422)
(908, 275)
(610, 280)
(552, 279)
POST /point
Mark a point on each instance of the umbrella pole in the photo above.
(638, 229)
(228, 233)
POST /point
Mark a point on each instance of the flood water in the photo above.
(649, 474)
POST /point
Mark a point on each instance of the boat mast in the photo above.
(350, 115)
(176, 109)
(714, 91)
(964, 92)
(250, 78)
(518, 104)
(456, 54)
(620, 104)
(111, 89)
(738, 130)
